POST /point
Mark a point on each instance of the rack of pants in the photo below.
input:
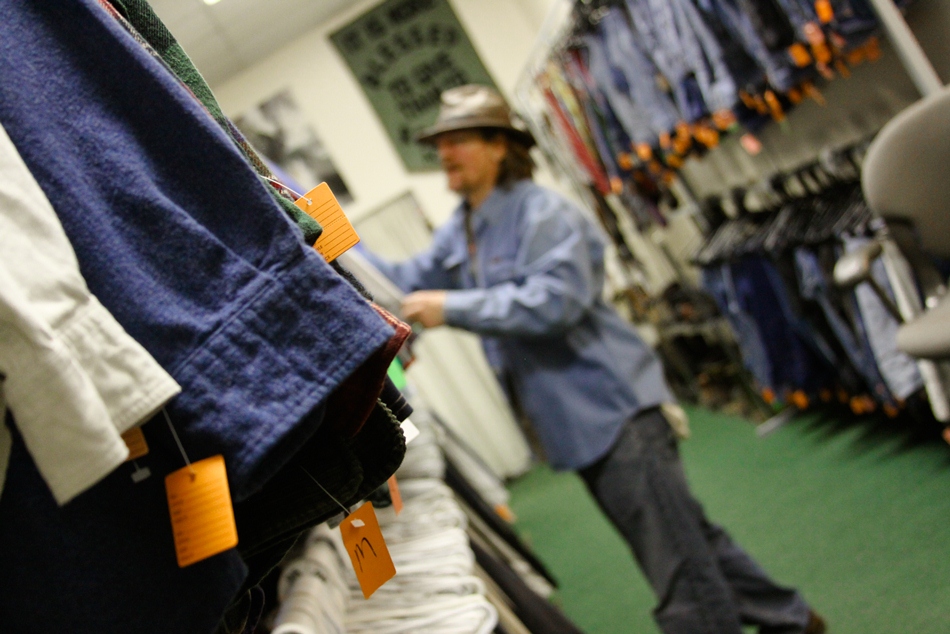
(803, 338)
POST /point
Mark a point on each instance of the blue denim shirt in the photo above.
(534, 292)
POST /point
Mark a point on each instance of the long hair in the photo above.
(517, 163)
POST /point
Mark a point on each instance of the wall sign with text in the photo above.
(405, 53)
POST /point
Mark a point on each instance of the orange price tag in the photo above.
(813, 34)
(855, 57)
(338, 234)
(202, 516)
(135, 441)
(395, 494)
(842, 68)
(724, 119)
(799, 54)
(810, 91)
(775, 106)
(824, 11)
(706, 135)
(367, 549)
(674, 161)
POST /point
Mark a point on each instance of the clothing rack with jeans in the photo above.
(630, 98)
(804, 338)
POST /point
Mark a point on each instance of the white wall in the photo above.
(502, 31)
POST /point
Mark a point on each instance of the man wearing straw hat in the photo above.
(521, 266)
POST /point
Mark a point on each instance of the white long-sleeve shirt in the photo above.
(72, 377)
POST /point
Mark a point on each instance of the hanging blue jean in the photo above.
(613, 84)
(627, 56)
(794, 365)
(717, 281)
(820, 359)
(814, 285)
(776, 63)
(854, 18)
(743, 68)
(898, 369)
(810, 321)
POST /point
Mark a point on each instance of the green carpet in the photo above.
(855, 514)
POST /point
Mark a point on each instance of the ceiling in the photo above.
(227, 37)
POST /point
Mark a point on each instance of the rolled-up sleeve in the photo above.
(556, 281)
(72, 376)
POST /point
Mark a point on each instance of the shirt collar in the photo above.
(495, 205)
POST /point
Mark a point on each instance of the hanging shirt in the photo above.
(533, 289)
(74, 379)
(771, 56)
(630, 63)
(634, 120)
(684, 49)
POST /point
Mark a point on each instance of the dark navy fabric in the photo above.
(79, 568)
(717, 281)
(794, 365)
(814, 369)
(178, 238)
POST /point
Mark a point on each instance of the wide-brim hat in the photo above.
(472, 107)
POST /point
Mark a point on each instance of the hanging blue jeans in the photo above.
(794, 365)
(814, 285)
(819, 358)
(717, 281)
(898, 370)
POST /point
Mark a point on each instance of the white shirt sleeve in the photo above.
(74, 379)
(62, 418)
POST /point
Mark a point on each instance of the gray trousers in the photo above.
(704, 582)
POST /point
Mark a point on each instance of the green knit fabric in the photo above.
(143, 19)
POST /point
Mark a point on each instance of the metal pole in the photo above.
(919, 68)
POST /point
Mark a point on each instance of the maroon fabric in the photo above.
(353, 401)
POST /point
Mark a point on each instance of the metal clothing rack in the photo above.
(912, 56)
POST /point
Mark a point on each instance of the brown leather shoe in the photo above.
(816, 624)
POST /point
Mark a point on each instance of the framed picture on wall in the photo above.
(404, 54)
(280, 131)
